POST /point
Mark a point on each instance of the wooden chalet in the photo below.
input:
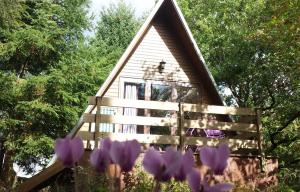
(161, 93)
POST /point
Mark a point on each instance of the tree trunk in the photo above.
(8, 174)
(2, 151)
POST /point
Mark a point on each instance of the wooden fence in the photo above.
(247, 135)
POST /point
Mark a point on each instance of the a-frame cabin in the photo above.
(162, 69)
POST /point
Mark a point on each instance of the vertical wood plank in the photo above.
(260, 139)
(147, 111)
(97, 120)
(181, 126)
(88, 142)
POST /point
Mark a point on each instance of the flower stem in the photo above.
(156, 187)
(76, 178)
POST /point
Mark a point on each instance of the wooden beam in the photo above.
(141, 104)
(134, 120)
(141, 138)
(86, 135)
(215, 109)
(233, 143)
(207, 124)
(41, 177)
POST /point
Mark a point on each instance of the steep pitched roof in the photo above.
(171, 11)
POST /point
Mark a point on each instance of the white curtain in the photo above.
(107, 127)
(130, 93)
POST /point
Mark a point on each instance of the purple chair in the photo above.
(214, 133)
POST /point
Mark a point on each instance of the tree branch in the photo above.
(283, 141)
(286, 124)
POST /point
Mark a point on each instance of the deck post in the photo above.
(260, 140)
(88, 142)
(97, 121)
(181, 132)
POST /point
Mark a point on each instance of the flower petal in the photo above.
(153, 162)
(223, 155)
(220, 187)
(131, 152)
(63, 151)
(135, 149)
(188, 161)
(105, 143)
(117, 152)
(77, 148)
(100, 159)
(187, 164)
(208, 156)
(172, 160)
(194, 180)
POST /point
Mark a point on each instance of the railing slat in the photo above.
(214, 109)
(134, 120)
(206, 124)
(141, 138)
(142, 104)
(171, 140)
(233, 143)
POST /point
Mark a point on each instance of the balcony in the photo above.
(190, 125)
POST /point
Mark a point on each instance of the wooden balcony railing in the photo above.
(247, 135)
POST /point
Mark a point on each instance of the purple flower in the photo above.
(164, 166)
(68, 150)
(215, 158)
(100, 158)
(125, 153)
(105, 143)
(220, 187)
(186, 166)
(194, 180)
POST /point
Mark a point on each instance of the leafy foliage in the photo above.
(116, 27)
(252, 48)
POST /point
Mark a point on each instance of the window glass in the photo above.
(161, 92)
(187, 94)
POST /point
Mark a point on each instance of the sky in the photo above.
(140, 7)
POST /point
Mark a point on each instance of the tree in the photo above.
(116, 27)
(34, 37)
(252, 48)
(39, 33)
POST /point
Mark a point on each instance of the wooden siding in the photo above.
(159, 43)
